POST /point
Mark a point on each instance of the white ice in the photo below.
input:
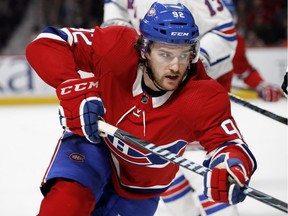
(28, 135)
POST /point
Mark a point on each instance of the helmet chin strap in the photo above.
(151, 76)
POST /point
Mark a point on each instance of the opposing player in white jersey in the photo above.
(217, 47)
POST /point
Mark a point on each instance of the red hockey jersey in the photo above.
(198, 111)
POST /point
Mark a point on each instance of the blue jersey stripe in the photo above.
(216, 208)
(178, 180)
(57, 32)
(177, 196)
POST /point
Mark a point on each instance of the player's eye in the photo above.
(165, 55)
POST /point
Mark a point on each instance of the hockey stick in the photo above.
(267, 113)
(107, 129)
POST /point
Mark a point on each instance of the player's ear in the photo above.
(143, 55)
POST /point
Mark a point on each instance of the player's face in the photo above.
(169, 65)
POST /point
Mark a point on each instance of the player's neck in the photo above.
(150, 82)
(151, 91)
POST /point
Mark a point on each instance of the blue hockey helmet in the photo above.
(169, 23)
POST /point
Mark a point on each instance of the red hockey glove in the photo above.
(269, 92)
(226, 180)
(80, 107)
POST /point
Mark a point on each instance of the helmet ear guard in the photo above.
(145, 45)
(195, 52)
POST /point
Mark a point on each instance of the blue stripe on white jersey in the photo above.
(170, 197)
(213, 207)
(178, 181)
(226, 31)
(176, 196)
(206, 55)
(220, 60)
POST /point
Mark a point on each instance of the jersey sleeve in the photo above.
(211, 119)
(116, 9)
(215, 123)
(58, 54)
(217, 130)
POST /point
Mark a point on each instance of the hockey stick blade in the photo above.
(107, 129)
(267, 113)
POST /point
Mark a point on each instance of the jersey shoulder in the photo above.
(115, 45)
(113, 37)
(205, 99)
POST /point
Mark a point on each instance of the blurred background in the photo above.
(21, 20)
(261, 22)
(29, 126)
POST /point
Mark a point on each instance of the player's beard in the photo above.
(159, 82)
(166, 81)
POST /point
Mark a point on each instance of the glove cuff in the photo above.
(234, 167)
(253, 79)
(237, 151)
(76, 87)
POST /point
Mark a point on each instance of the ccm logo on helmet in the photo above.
(79, 87)
(181, 34)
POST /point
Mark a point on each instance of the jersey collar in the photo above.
(157, 101)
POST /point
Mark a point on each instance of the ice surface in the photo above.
(30, 133)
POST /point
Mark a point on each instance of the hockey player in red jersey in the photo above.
(150, 85)
(217, 35)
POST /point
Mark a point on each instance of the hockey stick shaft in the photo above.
(183, 162)
(267, 113)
